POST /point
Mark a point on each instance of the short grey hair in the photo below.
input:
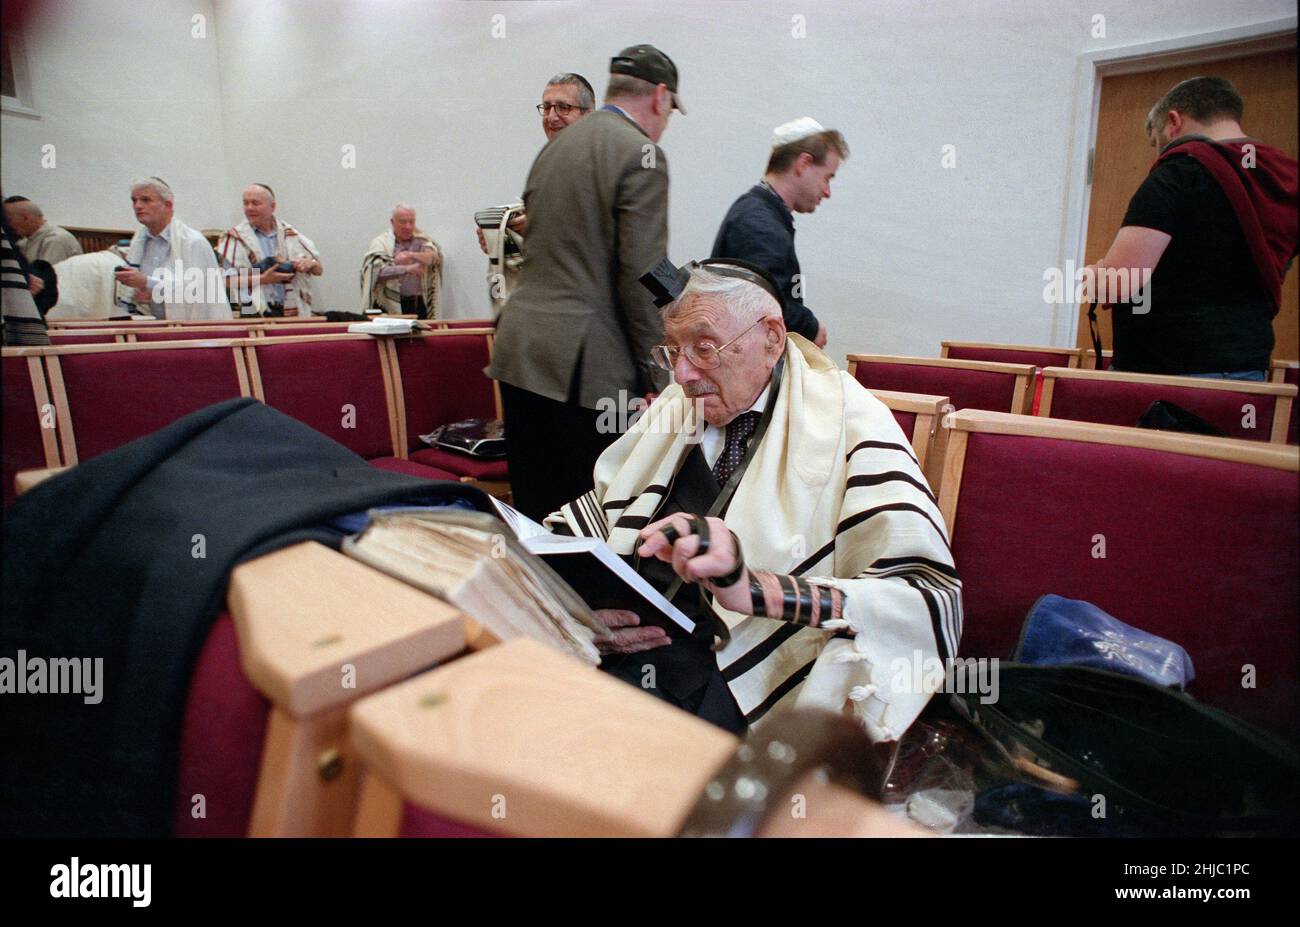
(26, 206)
(747, 302)
(627, 87)
(399, 207)
(586, 96)
(157, 184)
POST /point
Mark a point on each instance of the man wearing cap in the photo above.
(254, 253)
(759, 227)
(575, 337)
(777, 504)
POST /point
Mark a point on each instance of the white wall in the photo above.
(904, 254)
(120, 93)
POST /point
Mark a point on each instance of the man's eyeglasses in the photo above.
(702, 354)
(562, 109)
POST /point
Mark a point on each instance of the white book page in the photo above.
(523, 526)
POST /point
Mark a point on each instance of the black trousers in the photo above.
(551, 448)
(684, 674)
(414, 305)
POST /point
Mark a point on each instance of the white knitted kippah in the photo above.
(800, 128)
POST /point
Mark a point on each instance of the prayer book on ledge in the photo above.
(472, 561)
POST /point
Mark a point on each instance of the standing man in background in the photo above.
(759, 227)
(42, 240)
(401, 270)
(263, 238)
(576, 336)
(1213, 228)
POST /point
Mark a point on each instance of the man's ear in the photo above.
(663, 99)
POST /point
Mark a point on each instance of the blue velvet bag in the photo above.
(1071, 632)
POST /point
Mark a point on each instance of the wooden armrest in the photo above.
(24, 480)
(521, 739)
(317, 628)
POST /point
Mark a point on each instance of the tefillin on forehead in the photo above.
(666, 282)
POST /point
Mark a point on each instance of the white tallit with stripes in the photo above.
(385, 293)
(832, 493)
(240, 249)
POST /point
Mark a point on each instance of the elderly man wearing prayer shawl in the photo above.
(401, 271)
(174, 272)
(777, 503)
(264, 235)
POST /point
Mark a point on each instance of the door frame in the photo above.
(1131, 58)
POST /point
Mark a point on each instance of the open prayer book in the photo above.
(380, 326)
(604, 579)
(469, 560)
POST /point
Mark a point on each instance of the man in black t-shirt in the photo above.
(1215, 225)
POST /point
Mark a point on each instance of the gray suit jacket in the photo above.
(597, 205)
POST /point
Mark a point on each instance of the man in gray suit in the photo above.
(574, 341)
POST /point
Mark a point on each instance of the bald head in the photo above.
(259, 206)
(23, 216)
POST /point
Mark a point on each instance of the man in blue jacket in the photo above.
(759, 227)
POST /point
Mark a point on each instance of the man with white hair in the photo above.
(42, 240)
(166, 259)
(777, 503)
(401, 270)
(270, 262)
(759, 227)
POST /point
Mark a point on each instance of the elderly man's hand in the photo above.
(35, 284)
(683, 553)
(820, 340)
(132, 278)
(628, 634)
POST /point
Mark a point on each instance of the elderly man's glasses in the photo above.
(702, 354)
(562, 109)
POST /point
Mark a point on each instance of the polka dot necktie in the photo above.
(739, 431)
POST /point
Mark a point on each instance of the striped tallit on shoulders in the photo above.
(833, 493)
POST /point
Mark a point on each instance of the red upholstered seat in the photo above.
(189, 334)
(442, 382)
(411, 468)
(117, 396)
(273, 331)
(1203, 552)
(965, 389)
(417, 822)
(462, 464)
(1010, 355)
(336, 387)
(469, 323)
(57, 338)
(22, 447)
(221, 741)
(1114, 401)
(906, 421)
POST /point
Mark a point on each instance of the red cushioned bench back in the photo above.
(336, 387)
(22, 446)
(189, 334)
(79, 338)
(1010, 355)
(275, 331)
(1203, 552)
(1117, 402)
(906, 421)
(118, 396)
(222, 736)
(965, 389)
(419, 822)
(443, 381)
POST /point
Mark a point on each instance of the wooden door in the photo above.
(1267, 84)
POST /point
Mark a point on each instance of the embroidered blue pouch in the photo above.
(1071, 632)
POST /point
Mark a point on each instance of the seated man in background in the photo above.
(777, 503)
(42, 240)
(172, 271)
(252, 254)
(1213, 228)
(401, 271)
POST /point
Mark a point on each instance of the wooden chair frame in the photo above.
(1022, 391)
(926, 434)
(1284, 393)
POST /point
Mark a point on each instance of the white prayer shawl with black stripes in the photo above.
(385, 293)
(241, 249)
(833, 493)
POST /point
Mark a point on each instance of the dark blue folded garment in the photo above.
(1071, 632)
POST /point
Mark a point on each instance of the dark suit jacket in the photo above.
(760, 229)
(597, 204)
